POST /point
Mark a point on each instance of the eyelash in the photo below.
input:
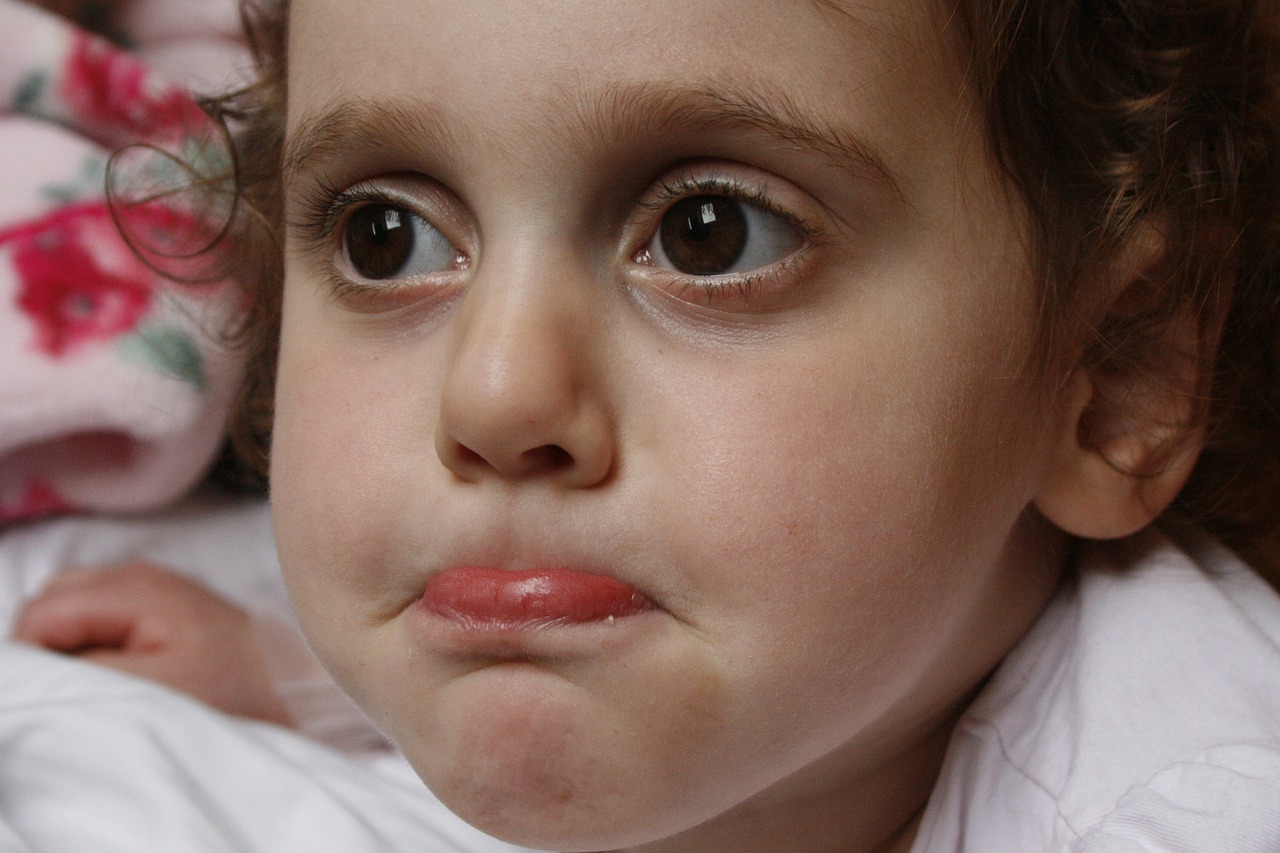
(672, 190)
(743, 287)
(322, 206)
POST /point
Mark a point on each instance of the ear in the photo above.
(1131, 434)
(1117, 487)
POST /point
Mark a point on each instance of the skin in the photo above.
(152, 622)
(828, 488)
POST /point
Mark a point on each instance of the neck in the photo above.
(876, 812)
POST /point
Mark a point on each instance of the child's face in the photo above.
(720, 299)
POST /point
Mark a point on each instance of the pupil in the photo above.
(704, 235)
(379, 241)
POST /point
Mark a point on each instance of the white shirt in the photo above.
(1140, 713)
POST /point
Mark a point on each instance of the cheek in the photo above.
(883, 435)
(837, 527)
(805, 524)
(793, 476)
(337, 478)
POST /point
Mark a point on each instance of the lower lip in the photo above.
(497, 598)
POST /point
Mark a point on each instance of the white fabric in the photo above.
(1140, 714)
(93, 761)
(225, 544)
(98, 762)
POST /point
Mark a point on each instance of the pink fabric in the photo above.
(114, 382)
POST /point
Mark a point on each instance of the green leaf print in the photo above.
(30, 91)
(167, 349)
(89, 184)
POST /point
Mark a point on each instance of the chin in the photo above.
(534, 772)
(546, 810)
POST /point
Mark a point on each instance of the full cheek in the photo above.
(808, 620)
(819, 550)
(343, 456)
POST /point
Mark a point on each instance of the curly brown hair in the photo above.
(1106, 117)
(253, 255)
(1112, 115)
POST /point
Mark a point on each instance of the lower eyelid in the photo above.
(409, 299)
(776, 287)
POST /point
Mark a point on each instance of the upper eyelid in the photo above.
(681, 185)
(322, 206)
(672, 188)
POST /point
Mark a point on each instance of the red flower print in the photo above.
(76, 279)
(38, 500)
(104, 85)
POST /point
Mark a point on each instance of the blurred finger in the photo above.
(88, 608)
(73, 623)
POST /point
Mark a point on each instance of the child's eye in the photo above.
(386, 241)
(709, 235)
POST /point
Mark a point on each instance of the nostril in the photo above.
(544, 459)
(548, 457)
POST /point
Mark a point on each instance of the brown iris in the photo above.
(380, 240)
(704, 234)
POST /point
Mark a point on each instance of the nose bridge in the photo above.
(518, 398)
(513, 352)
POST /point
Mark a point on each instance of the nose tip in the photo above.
(522, 399)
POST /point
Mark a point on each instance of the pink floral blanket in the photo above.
(114, 381)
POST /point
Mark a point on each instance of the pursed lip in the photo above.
(480, 597)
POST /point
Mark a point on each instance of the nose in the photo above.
(522, 397)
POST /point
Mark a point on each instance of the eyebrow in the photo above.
(595, 118)
(769, 112)
(360, 124)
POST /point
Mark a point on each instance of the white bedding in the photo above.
(95, 761)
(224, 542)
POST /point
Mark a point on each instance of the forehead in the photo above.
(868, 66)
(488, 35)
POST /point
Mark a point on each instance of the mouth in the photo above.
(481, 597)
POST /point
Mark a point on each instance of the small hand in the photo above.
(160, 625)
